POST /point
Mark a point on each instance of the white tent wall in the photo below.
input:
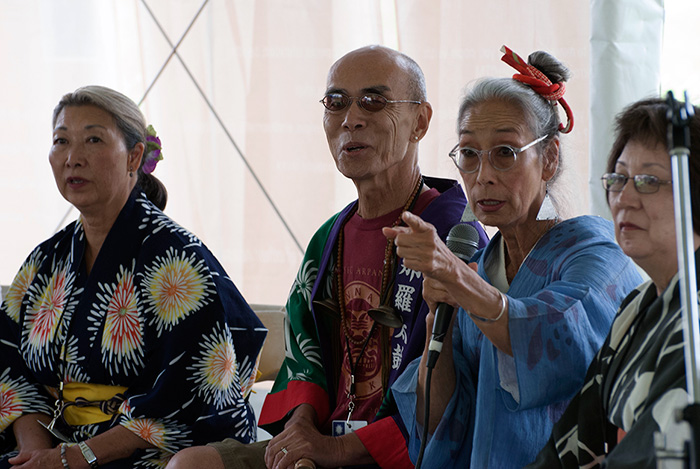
(262, 65)
(626, 44)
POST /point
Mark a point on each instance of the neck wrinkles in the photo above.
(518, 244)
(377, 198)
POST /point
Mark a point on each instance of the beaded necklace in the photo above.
(389, 259)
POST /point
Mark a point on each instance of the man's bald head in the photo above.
(374, 54)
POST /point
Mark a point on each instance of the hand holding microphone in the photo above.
(422, 250)
(463, 241)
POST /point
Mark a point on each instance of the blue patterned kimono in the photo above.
(561, 304)
(157, 315)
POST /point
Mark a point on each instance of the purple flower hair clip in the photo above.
(153, 153)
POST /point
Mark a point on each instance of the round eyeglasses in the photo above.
(501, 157)
(643, 183)
(371, 102)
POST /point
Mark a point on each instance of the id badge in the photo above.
(342, 427)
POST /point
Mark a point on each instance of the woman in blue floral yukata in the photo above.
(122, 339)
(534, 305)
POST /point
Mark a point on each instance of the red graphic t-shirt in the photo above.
(363, 259)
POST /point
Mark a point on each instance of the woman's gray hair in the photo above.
(541, 115)
(126, 114)
(129, 120)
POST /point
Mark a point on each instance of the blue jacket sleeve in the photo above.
(450, 446)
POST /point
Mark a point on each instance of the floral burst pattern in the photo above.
(75, 371)
(150, 430)
(20, 285)
(10, 405)
(154, 309)
(16, 395)
(45, 311)
(163, 434)
(122, 337)
(248, 372)
(176, 285)
(160, 221)
(215, 370)
(153, 458)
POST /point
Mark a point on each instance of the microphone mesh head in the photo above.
(463, 241)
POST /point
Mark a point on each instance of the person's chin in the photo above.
(492, 215)
(632, 236)
(79, 201)
(636, 249)
(354, 170)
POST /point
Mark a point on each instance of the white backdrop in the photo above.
(262, 65)
(639, 48)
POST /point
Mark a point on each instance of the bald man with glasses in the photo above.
(356, 315)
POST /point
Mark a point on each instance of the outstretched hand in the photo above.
(421, 248)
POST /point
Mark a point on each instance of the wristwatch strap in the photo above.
(88, 454)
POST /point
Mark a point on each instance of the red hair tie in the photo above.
(540, 84)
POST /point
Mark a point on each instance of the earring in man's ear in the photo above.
(131, 172)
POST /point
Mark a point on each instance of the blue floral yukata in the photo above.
(157, 320)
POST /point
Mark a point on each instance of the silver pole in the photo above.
(679, 115)
(686, 269)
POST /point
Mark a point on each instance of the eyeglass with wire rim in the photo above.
(501, 157)
(371, 102)
(643, 183)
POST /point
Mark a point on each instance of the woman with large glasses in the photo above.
(534, 305)
(637, 379)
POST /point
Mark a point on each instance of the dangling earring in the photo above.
(468, 214)
(547, 210)
(131, 172)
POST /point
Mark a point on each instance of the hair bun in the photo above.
(154, 189)
(546, 63)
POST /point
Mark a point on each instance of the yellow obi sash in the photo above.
(85, 402)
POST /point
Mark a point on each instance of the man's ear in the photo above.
(425, 113)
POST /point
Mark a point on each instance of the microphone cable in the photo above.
(463, 241)
(426, 417)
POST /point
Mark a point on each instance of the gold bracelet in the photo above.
(500, 315)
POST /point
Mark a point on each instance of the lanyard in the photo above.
(353, 368)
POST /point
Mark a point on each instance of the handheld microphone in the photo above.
(463, 241)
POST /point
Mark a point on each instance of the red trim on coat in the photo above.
(385, 443)
(278, 405)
